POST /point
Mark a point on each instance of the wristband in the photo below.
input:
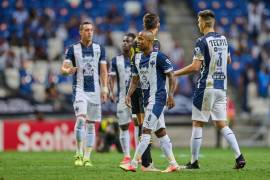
(104, 89)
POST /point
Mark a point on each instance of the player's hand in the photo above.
(69, 69)
(72, 70)
(128, 101)
(170, 102)
(104, 97)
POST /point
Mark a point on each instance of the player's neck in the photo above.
(208, 30)
(126, 53)
(86, 42)
(146, 52)
(154, 31)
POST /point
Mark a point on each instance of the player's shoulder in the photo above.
(117, 57)
(201, 39)
(98, 45)
(114, 59)
(161, 55)
(70, 48)
(214, 34)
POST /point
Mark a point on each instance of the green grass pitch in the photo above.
(215, 164)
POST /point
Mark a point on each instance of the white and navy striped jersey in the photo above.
(213, 50)
(152, 71)
(120, 67)
(87, 59)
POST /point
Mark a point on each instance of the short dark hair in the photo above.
(206, 14)
(84, 23)
(150, 21)
(132, 35)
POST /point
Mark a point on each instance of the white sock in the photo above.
(136, 135)
(166, 146)
(90, 139)
(79, 130)
(230, 138)
(145, 140)
(195, 143)
(125, 142)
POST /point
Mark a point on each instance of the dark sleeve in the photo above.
(69, 55)
(164, 63)
(199, 50)
(102, 58)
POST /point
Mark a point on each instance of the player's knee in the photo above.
(146, 131)
(80, 121)
(146, 138)
(220, 124)
(197, 123)
(160, 132)
(124, 127)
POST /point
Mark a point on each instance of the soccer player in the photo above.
(84, 60)
(121, 74)
(211, 56)
(151, 23)
(151, 69)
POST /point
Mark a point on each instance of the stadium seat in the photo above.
(12, 78)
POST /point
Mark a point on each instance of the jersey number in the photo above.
(219, 61)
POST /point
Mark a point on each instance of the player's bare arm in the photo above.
(170, 100)
(67, 68)
(229, 60)
(194, 67)
(104, 82)
(112, 80)
(133, 85)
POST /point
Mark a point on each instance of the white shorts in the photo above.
(83, 106)
(209, 102)
(154, 117)
(123, 114)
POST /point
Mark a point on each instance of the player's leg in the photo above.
(202, 102)
(146, 156)
(138, 109)
(140, 118)
(147, 163)
(195, 144)
(145, 140)
(124, 118)
(136, 129)
(80, 112)
(93, 115)
(166, 145)
(219, 117)
(79, 134)
(89, 142)
(228, 134)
